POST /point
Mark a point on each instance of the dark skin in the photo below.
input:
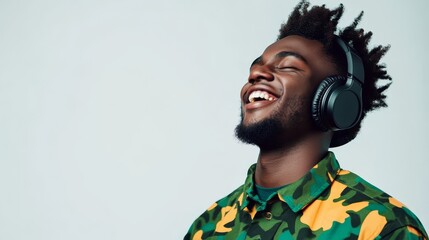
(290, 68)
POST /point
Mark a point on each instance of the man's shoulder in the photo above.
(378, 204)
(359, 187)
(206, 222)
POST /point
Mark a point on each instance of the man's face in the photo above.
(276, 100)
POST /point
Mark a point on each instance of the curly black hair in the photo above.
(320, 23)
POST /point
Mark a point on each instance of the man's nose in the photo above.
(260, 73)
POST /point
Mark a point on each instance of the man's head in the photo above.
(290, 70)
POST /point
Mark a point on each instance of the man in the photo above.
(309, 91)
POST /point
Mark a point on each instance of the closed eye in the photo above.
(287, 68)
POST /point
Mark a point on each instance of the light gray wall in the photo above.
(117, 117)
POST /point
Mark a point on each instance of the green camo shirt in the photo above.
(327, 203)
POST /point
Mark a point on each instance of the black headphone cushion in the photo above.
(318, 105)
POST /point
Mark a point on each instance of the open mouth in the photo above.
(260, 95)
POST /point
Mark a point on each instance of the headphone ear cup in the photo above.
(319, 109)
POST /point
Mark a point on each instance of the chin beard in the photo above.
(275, 132)
(260, 134)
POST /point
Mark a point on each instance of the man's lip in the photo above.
(262, 103)
(254, 88)
(258, 104)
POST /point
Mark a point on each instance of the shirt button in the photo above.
(268, 215)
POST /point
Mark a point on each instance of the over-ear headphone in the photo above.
(337, 102)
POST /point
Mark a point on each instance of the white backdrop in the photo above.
(117, 117)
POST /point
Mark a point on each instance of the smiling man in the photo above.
(307, 92)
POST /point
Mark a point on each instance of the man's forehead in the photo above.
(294, 43)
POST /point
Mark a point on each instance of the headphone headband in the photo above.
(354, 62)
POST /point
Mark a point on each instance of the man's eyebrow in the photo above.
(282, 54)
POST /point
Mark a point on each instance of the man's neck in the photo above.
(286, 165)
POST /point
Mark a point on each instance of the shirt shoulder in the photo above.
(379, 209)
(223, 209)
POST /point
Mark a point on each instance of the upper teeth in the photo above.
(260, 94)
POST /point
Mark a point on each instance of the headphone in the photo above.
(337, 102)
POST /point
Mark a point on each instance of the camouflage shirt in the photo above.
(327, 203)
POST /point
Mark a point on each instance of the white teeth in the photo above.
(265, 95)
(260, 94)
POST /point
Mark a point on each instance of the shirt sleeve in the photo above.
(406, 233)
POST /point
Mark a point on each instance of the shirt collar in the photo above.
(301, 192)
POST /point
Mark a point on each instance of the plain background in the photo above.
(117, 117)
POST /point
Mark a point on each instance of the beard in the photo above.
(283, 127)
